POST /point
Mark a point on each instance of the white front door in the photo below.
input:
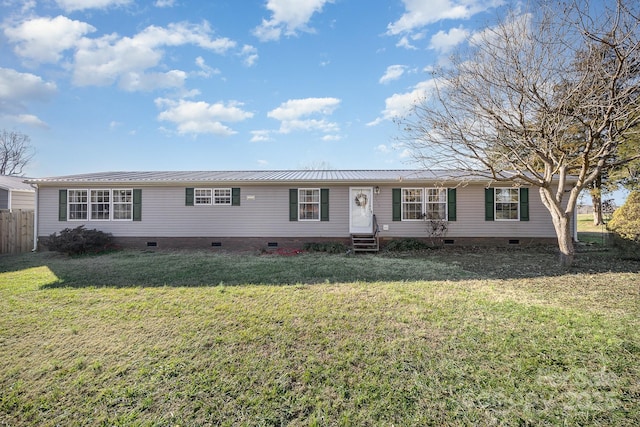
(361, 210)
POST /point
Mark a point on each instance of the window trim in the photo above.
(230, 196)
(302, 202)
(88, 193)
(108, 205)
(511, 202)
(195, 196)
(424, 202)
(114, 203)
(70, 202)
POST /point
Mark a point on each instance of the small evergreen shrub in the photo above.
(625, 226)
(79, 240)
(328, 247)
(407, 245)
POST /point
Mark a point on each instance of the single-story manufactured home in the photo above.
(285, 209)
(15, 194)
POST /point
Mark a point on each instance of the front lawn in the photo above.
(448, 337)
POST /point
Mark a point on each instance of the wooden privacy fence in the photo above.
(16, 231)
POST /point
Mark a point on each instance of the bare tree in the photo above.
(15, 152)
(508, 106)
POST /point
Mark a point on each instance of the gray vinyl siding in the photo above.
(164, 214)
(470, 220)
(24, 200)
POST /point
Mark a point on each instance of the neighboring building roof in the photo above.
(255, 177)
(15, 183)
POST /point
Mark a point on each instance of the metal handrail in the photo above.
(376, 229)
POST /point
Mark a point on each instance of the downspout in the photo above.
(35, 220)
(9, 199)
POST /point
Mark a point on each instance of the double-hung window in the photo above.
(122, 205)
(77, 204)
(100, 204)
(202, 196)
(211, 196)
(436, 203)
(309, 204)
(507, 204)
(412, 203)
(221, 196)
(424, 203)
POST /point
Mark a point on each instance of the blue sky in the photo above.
(103, 85)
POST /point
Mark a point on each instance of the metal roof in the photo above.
(255, 177)
(14, 183)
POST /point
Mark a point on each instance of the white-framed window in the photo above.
(412, 204)
(221, 196)
(77, 204)
(424, 203)
(309, 204)
(100, 203)
(436, 203)
(122, 205)
(202, 196)
(507, 204)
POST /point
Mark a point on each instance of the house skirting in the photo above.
(274, 243)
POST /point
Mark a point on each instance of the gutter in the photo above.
(35, 219)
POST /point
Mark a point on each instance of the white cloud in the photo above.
(419, 13)
(288, 17)
(250, 55)
(134, 81)
(17, 90)
(445, 41)
(382, 148)
(205, 70)
(394, 72)
(104, 60)
(165, 3)
(16, 87)
(197, 117)
(261, 136)
(73, 5)
(296, 108)
(294, 115)
(45, 39)
(399, 104)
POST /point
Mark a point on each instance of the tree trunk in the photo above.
(596, 200)
(562, 225)
(565, 242)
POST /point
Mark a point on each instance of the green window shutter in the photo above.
(235, 197)
(524, 204)
(293, 204)
(188, 197)
(137, 204)
(62, 205)
(451, 204)
(396, 197)
(324, 204)
(488, 204)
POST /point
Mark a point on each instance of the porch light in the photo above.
(376, 190)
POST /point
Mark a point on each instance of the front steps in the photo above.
(365, 243)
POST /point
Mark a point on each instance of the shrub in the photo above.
(625, 226)
(328, 247)
(79, 240)
(407, 245)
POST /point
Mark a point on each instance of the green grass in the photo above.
(596, 235)
(448, 337)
